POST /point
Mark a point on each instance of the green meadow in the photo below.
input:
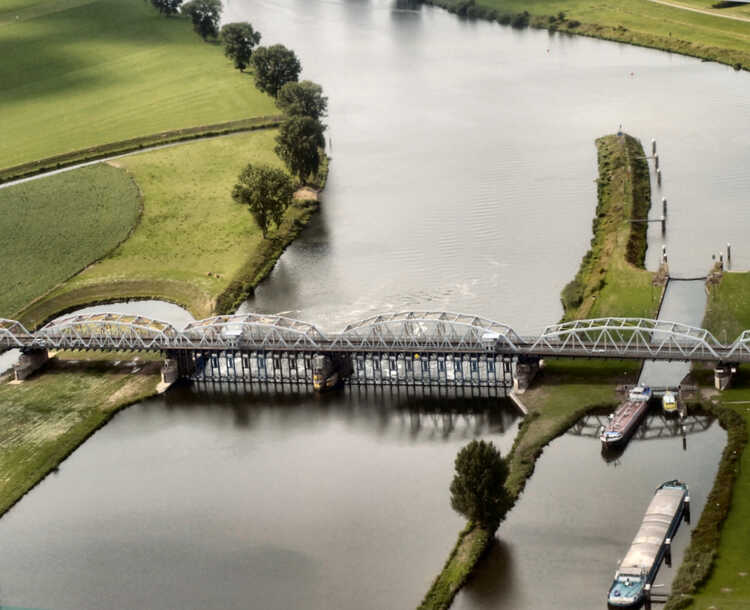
(51, 229)
(77, 74)
(192, 238)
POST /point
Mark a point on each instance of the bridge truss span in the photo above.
(107, 331)
(431, 331)
(254, 331)
(13, 334)
(740, 349)
(628, 338)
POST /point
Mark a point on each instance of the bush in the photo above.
(521, 20)
(572, 295)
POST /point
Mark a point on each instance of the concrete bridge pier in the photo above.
(30, 362)
(723, 374)
(176, 365)
(526, 369)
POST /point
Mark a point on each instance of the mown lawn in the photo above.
(51, 229)
(46, 417)
(192, 238)
(79, 73)
(642, 22)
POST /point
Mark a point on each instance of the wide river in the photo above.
(463, 179)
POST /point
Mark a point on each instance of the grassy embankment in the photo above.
(567, 389)
(637, 22)
(716, 569)
(193, 244)
(80, 74)
(45, 418)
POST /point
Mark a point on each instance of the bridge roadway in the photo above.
(415, 332)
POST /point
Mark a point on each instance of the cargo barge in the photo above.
(624, 421)
(640, 565)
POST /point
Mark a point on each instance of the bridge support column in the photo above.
(30, 362)
(170, 370)
(526, 369)
(723, 374)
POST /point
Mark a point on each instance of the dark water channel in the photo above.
(463, 179)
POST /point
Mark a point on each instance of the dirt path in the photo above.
(700, 10)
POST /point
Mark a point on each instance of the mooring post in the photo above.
(664, 206)
(653, 146)
(658, 176)
(729, 253)
(668, 552)
(687, 509)
(647, 595)
(656, 161)
(663, 225)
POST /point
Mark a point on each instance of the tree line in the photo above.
(300, 143)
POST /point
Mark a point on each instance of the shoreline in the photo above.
(736, 59)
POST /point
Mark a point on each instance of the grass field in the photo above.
(46, 417)
(78, 73)
(728, 307)
(639, 22)
(192, 238)
(51, 229)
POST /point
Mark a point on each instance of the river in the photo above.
(463, 179)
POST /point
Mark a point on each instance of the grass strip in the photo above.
(611, 279)
(45, 418)
(637, 22)
(125, 146)
(727, 310)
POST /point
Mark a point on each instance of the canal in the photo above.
(463, 179)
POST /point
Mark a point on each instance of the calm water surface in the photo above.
(463, 179)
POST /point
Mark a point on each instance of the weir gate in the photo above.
(417, 347)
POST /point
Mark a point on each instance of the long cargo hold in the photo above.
(626, 418)
(640, 565)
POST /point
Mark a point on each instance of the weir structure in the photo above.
(414, 347)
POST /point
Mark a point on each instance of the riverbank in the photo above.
(44, 419)
(639, 22)
(611, 279)
(78, 76)
(193, 246)
(608, 283)
(716, 572)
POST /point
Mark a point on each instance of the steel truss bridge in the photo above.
(431, 347)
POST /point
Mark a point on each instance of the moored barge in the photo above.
(640, 565)
(626, 418)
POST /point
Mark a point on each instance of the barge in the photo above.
(640, 565)
(624, 421)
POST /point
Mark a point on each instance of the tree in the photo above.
(205, 15)
(239, 41)
(478, 488)
(267, 191)
(299, 145)
(167, 7)
(303, 99)
(274, 67)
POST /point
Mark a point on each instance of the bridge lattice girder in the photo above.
(255, 331)
(110, 331)
(629, 335)
(13, 334)
(741, 347)
(426, 330)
